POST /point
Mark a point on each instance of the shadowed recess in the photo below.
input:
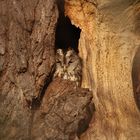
(67, 35)
(136, 77)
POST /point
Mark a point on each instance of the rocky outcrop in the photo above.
(27, 41)
(65, 112)
(108, 43)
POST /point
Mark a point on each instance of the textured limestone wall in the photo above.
(108, 42)
(27, 36)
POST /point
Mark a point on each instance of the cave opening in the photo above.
(67, 35)
(136, 77)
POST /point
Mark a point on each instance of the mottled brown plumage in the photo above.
(68, 66)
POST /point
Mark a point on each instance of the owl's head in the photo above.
(65, 59)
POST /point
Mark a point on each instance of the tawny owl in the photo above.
(68, 66)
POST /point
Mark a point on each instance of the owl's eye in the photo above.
(70, 62)
(58, 61)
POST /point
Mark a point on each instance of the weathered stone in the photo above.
(65, 114)
(108, 42)
(22, 25)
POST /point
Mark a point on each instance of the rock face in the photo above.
(27, 41)
(108, 43)
(65, 113)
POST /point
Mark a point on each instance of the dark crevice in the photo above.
(67, 35)
(36, 102)
(136, 77)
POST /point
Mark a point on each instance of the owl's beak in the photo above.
(65, 68)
